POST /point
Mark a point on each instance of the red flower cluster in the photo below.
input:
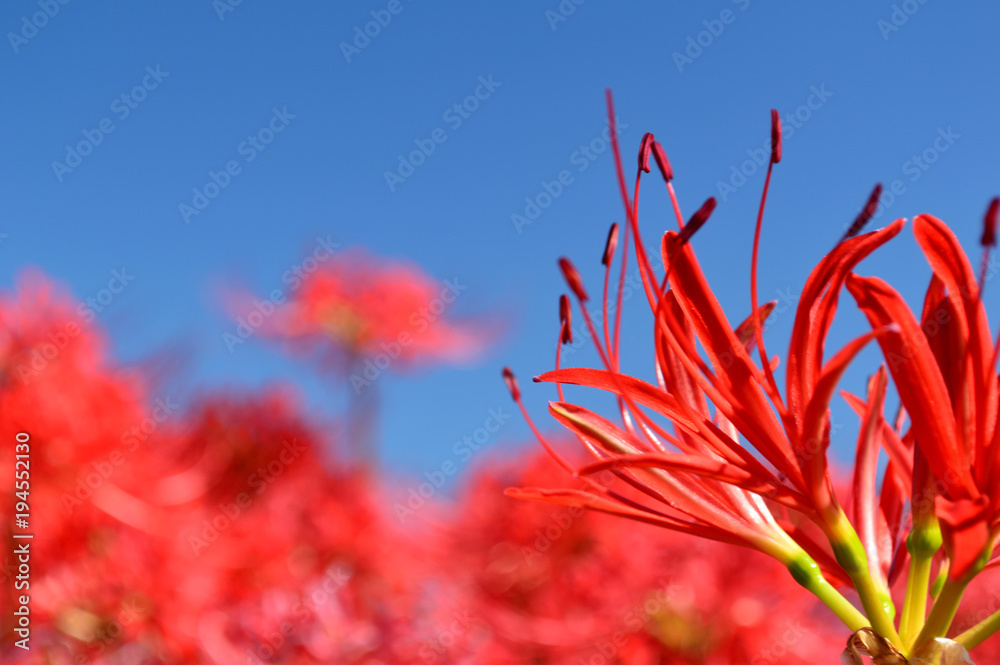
(356, 307)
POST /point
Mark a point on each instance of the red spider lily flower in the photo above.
(356, 307)
(699, 477)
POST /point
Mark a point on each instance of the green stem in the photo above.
(942, 613)
(978, 633)
(915, 605)
(875, 607)
(807, 573)
(850, 554)
(923, 543)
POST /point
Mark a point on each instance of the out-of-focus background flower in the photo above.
(261, 262)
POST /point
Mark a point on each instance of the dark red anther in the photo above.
(989, 238)
(866, 214)
(611, 245)
(775, 137)
(644, 148)
(511, 381)
(697, 220)
(660, 155)
(573, 279)
(565, 319)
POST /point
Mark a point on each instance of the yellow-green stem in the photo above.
(923, 543)
(942, 613)
(915, 606)
(978, 633)
(851, 556)
(807, 573)
(875, 607)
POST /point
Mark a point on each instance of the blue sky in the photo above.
(874, 84)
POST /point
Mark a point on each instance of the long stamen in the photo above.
(660, 155)
(606, 259)
(645, 269)
(620, 295)
(515, 393)
(772, 385)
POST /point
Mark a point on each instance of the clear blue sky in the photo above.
(220, 75)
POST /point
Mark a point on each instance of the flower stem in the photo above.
(850, 554)
(875, 607)
(923, 543)
(978, 633)
(915, 605)
(942, 612)
(807, 573)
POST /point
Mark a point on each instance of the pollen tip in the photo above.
(565, 319)
(697, 220)
(611, 245)
(775, 137)
(573, 278)
(660, 155)
(866, 213)
(511, 381)
(644, 149)
(989, 238)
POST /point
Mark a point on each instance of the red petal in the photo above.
(966, 532)
(581, 499)
(866, 472)
(729, 357)
(951, 266)
(918, 380)
(715, 469)
(811, 443)
(817, 305)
